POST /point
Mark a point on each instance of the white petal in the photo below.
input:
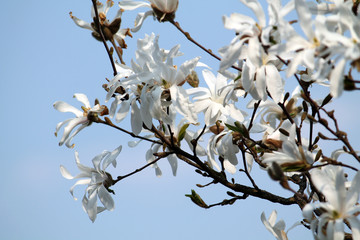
(136, 122)
(65, 107)
(81, 23)
(274, 83)
(304, 15)
(256, 7)
(65, 173)
(131, 5)
(90, 205)
(106, 198)
(71, 125)
(337, 79)
(83, 99)
(79, 182)
(111, 158)
(97, 159)
(173, 163)
(355, 227)
(140, 20)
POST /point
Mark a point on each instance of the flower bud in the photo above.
(164, 9)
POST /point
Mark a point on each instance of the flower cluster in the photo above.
(243, 116)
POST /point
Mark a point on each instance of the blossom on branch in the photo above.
(82, 118)
(340, 206)
(98, 181)
(156, 84)
(163, 10)
(213, 101)
(111, 30)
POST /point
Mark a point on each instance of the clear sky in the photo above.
(45, 57)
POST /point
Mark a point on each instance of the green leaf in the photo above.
(197, 199)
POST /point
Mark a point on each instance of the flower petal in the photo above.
(106, 198)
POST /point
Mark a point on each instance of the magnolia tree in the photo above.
(281, 133)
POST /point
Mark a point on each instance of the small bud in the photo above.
(287, 94)
(284, 132)
(326, 100)
(197, 199)
(275, 172)
(216, 129)
(192, 79)
(322, 136)
(231, 194)
(305, 106)
(318, 155)
(323, 121)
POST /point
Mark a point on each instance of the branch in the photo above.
(109, 123)
(162, 155)
(187, 35)
(97, 22)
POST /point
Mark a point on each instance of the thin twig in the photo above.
(256, 105)
(142, 168)
(97, 21)
(109, 123)
(187, 35)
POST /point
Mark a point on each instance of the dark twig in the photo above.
(228, 201)
(119, 178)
(194, 142)
(109, 123)
(246, 169)
(97, 22)
(256, 105)
(187, 35)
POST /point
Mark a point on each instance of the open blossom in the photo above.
(223, 146)
(277, 229)
(81, 117)
(98, 181)
(157, 83)
(212, 100)
(113, 28)
(162, 9)
(290, 155)
(340, 205)
(260, 74)
(180, 133)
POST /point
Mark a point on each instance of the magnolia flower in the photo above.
(222, 145)
(98, 181)
(180, 133)
(114, 26)
(290, 156)
(251, 44)
(156, 83)
(164, 10)
(82, 118)
(276, 228)
(212, 100)
(340, 205)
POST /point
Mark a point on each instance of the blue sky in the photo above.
(45, 57)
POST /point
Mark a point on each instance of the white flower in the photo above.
(212, 100)
(340, 206)
(223, 146)
(162, 9)
(251, 44)
(180, 133)
(290, 156)
(114, 27)
(156, 84)
(276, 228)
(98, 181)
(81, 117)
